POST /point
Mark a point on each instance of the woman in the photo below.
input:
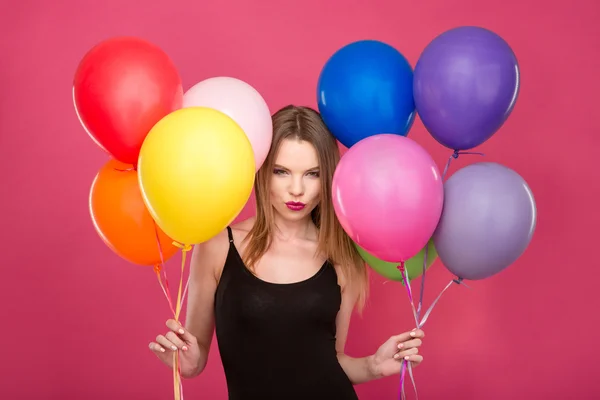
(280, 288)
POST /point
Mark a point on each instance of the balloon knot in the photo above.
(455, 154)
(183, 247)
(157, 268)
(459, 281)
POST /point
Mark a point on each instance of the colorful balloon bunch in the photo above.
(388, 192)
(182, 165)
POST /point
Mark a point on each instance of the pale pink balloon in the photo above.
(242, 103)
(388, 195)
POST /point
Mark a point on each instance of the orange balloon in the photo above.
(122, 219)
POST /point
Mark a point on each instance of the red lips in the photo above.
(295, 206)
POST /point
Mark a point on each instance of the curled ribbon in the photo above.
(406, 366)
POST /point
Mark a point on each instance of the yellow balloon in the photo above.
(196, 171)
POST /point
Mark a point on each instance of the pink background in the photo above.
(76, 319)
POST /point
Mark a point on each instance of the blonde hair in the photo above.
(305, 124)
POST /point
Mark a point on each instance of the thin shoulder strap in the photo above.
(230, 234)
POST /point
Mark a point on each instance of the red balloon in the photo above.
(122, 87)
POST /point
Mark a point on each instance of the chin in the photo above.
(291, 215)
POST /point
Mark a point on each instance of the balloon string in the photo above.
(412, 378)
(420, 305)
(408, 290)
(184, 250)
(406, 364)
(401, 394)
(457, 281)
(187, 284)
(455, 155)
(177, 384)
(158, 268)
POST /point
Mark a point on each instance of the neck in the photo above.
(288, 230)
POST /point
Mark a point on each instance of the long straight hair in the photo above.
(305, 124)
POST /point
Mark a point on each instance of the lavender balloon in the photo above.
(487, 222)
(466, 83)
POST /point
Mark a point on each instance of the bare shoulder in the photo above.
(245, 225)
(241, 230)
(208, 258)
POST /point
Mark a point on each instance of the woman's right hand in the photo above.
(178, 339)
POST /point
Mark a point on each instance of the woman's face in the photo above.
(295, 183)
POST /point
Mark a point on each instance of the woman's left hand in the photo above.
(388, 358)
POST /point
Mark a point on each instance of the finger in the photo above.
(180, 330)
(156, 348)
(405, 354)
(166, 343)
(410, 344)
(417, 333)
(176, 340)
(403, 337)
(415, 359)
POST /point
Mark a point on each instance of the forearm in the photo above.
(359, 370)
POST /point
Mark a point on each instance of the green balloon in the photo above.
(414, 266)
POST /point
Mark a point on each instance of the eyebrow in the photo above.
(287, 169)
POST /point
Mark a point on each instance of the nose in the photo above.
(296, 186)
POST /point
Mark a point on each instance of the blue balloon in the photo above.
(365, 89)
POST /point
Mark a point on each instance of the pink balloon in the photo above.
(248, 211)
(242, 103)
(388, 195)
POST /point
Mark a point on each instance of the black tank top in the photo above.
(277, 341)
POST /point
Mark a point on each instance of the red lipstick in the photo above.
(295, 206)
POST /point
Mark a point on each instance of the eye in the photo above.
(314, 174)
(279, 171)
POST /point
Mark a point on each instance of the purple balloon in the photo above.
(466, 83)
(487, 222)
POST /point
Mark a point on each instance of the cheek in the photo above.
(313, 190)
(277, 187)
